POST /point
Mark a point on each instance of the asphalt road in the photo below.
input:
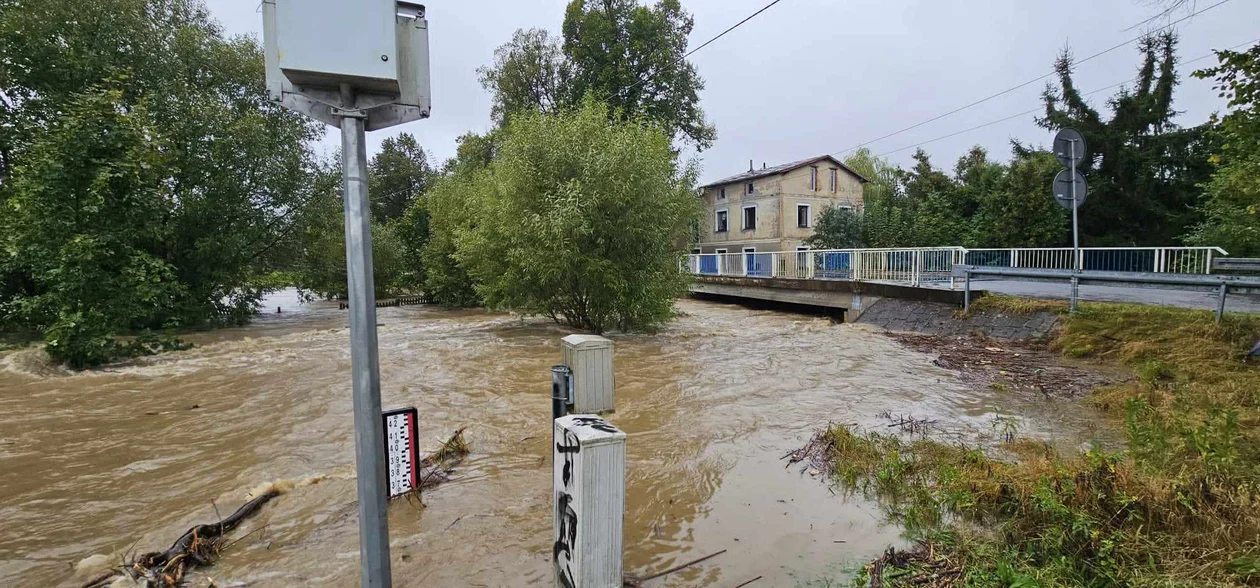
(1139, 294)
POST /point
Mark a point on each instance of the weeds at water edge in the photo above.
(1179, 506)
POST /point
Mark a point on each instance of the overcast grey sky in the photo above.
(809, 77)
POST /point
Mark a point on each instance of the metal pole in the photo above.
(1076, 235)
(1076, 238)
(369, 438)
(560, 375)
(967, 292)
(1076, 283)
(1220, 304)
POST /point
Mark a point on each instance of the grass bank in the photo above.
(1180, 506)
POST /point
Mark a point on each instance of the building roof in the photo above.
(782, 169)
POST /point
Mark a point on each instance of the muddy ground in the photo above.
(1021, 366)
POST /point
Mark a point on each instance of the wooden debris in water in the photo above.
(437, 467)
(199, 546)
(908, 424)
(637, 582)
(922, 565)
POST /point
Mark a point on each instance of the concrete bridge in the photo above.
(851, 297)
(852, 281)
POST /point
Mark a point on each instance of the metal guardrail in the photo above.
(1220, 284)
(1237, 264)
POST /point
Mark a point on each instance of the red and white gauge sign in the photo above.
(401, 451)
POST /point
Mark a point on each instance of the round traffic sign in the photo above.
(1067, 142)
(1063, 189)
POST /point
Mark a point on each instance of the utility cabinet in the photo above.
(324, 43)
(590, 357)
(378, 50)
(588, 475)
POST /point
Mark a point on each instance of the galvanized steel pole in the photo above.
(369, 437)
(1076, 235)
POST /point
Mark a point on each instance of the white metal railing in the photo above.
(917, 265)
(921, 265)
(1160, 260)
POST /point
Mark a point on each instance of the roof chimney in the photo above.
(763, 165)
(750, 167)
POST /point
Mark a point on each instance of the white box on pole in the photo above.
(326, 42)
(589, 496)
(591, 359)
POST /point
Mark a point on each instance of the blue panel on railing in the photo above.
(709, 264)
(758, 265)
(1119, 260)
(989, 258)
(835, 265)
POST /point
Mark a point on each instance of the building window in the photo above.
(834, 180)
(802, 216)
(719, 225)
(750, 218)
(721, 193)
(845, 207)
(720, 252)
(813, 178)
(748, 189)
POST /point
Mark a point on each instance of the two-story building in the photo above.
(774, 208)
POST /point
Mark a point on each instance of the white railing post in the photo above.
(917, 270)
(1014, 258)
(1207, 268)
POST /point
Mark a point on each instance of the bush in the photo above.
(578, 218)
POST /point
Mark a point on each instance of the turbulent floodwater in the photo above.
(97, 462)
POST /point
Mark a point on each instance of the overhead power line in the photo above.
(1031, 111)
(706, 43)
(1029, 82)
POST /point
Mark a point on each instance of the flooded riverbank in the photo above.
(92, 462)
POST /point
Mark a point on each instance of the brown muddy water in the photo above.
(101, 462)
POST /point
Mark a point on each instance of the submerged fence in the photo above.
(935, 264)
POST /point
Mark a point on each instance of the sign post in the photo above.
(1070, 190)
(358, 66)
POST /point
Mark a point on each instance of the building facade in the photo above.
(774, 208)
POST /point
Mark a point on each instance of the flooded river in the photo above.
(129, 457)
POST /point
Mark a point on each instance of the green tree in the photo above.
(398, 175)
(90, 200)
(318, 254)
(1231, 202)
(630, 56)
(530, 74)
(837, 228)
(934, 204)
(581, 219)
(1143, 170)
(619, 52)
(202, 217)
(453, 209)
(886, 216)
(1018, 210)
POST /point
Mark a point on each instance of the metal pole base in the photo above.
(1076, 286)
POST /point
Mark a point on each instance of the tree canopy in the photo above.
(578, 218)
(1231, 201)
(145, 180)
(618, 52)
(1143, 166)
